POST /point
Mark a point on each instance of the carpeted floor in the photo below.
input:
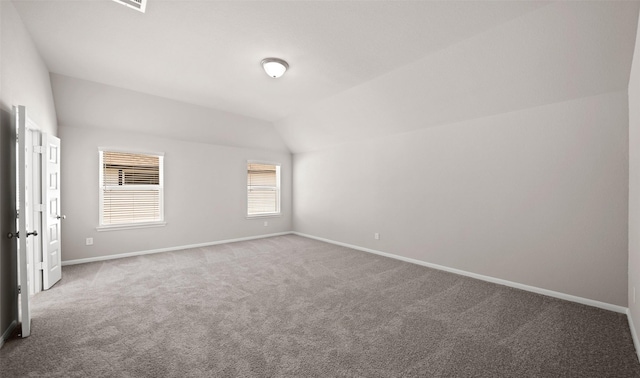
(293, 307)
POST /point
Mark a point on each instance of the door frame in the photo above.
(27, 151)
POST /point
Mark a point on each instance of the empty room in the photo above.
(319, 188)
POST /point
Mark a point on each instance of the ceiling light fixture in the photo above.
(140, 5)
(274, 67)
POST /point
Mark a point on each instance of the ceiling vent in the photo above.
(135, 4)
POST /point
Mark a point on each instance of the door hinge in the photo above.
(40, 265)
(19, 289)
(40, 207)
(38, 149)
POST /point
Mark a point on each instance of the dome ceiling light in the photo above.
(274, 67)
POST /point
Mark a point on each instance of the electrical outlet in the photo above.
(266, 223)
(89, 241)
(376, 236)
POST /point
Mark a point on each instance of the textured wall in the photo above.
(536, 196)
(205, 172)
(205, 193)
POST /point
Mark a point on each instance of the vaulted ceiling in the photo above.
(357, 68)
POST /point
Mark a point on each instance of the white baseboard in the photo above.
(169, 249)
(550, 293)
(634, 334)
(7, 333)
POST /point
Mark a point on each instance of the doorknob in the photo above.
(61, 217)
(17, 234)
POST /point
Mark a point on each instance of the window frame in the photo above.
(160, 188)
(278, 189)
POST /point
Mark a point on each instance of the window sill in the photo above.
(274, 215)
(129, 226)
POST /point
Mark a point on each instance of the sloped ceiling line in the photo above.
(358, 69)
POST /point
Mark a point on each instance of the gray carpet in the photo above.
(293, 307)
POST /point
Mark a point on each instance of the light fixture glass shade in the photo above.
(274, 67)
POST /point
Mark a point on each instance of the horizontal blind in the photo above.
(120, 168)
(261, 175)
(262, 189)
(262, 201)
(130, 206)
(131, 188)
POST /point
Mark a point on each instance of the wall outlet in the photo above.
(376, 236)
(89, 241)
(266, 223)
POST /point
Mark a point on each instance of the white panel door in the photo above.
(51, 225)
(20, 119)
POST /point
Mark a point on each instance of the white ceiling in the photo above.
(563, 51)
(208, 52)
(359, 69)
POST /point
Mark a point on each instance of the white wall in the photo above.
(24, 80)
(25, 77)
(205, 193)
(634, 188)
(536, 196)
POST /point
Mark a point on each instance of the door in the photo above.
(23, 217)
(51, 257)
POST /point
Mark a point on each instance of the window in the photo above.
(263, 189)
(131, 189)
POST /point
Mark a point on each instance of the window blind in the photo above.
(131, 188)
(263, 189)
